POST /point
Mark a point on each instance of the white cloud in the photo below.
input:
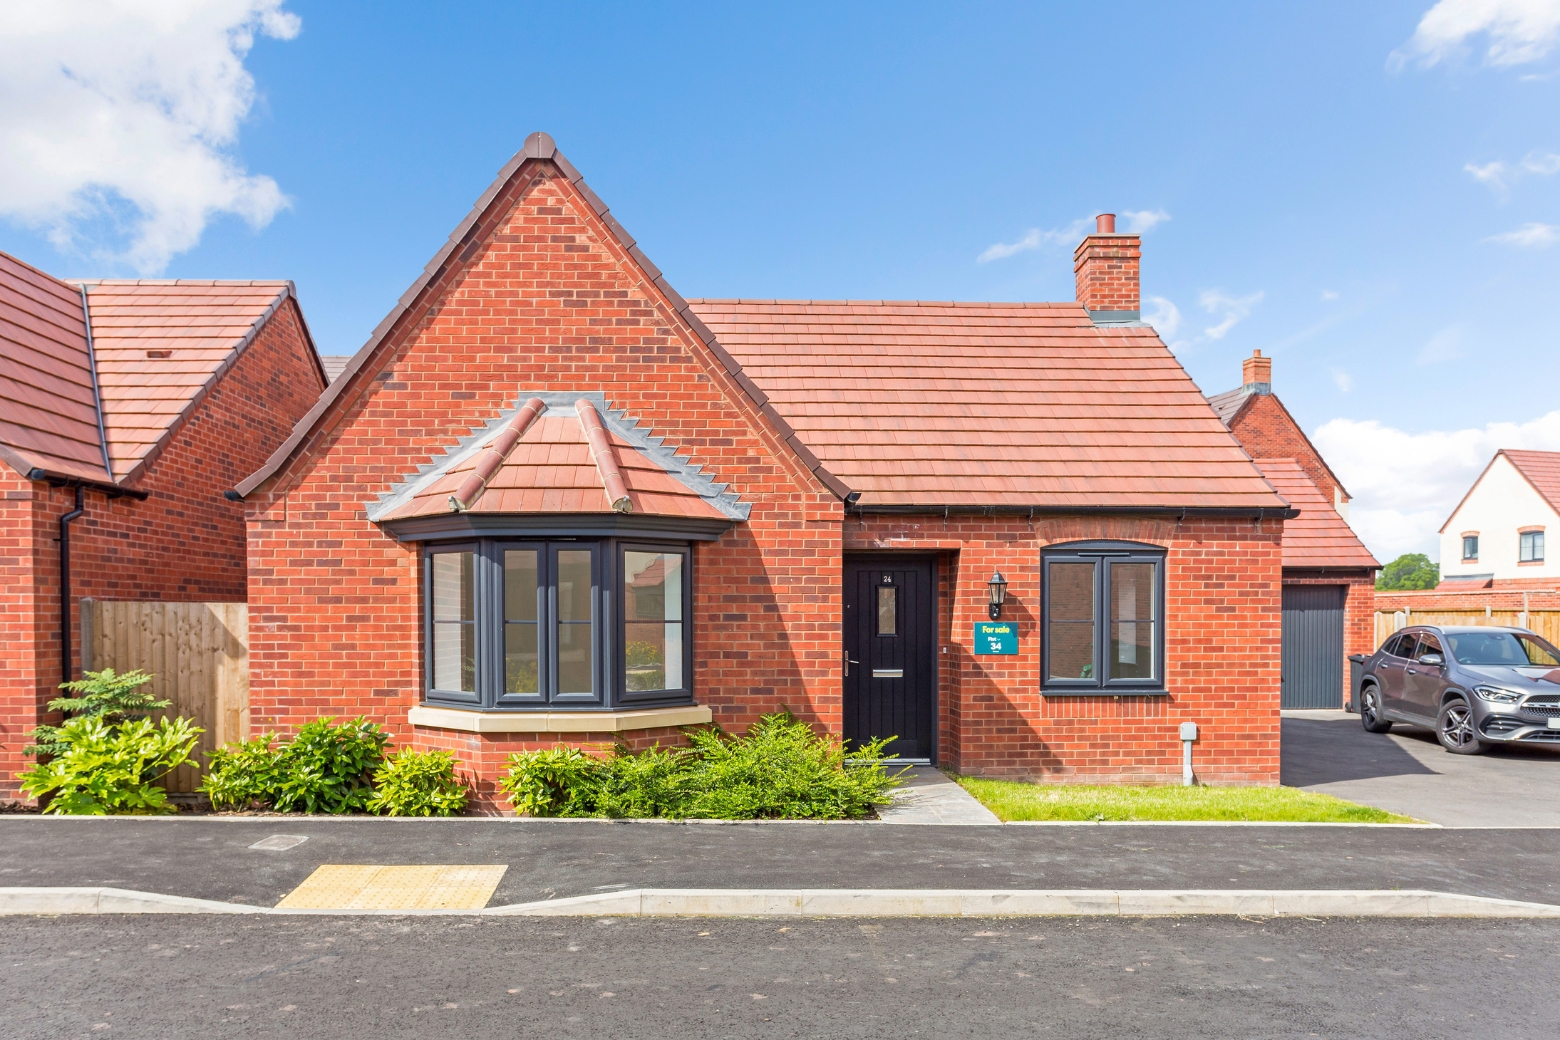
(1329, 294)
(1518, 31)
(1230, 309)
(1165, 317)
(1529, 236)
(1143, 220)
(1342, 380)
(123, 115)
(1405, 485)
(1069, 236)
(1499, 177)
(1446, 345)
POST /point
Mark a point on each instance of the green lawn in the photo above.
(1012, 800)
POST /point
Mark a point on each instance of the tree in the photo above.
(1409, 572)
(115, 699)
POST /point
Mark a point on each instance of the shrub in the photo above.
(114, 698)
(243, 776)
(781, 769)
(418, 783)
(106, 770)
(328, 768)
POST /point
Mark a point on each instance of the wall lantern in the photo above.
(998, 587)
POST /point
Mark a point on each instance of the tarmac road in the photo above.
(210, 858)
(171, 978)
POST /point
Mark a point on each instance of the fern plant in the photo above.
(113, 697)
(106, 770)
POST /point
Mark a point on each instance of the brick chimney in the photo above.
(1105, 266)
(1258, 374)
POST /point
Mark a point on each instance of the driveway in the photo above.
(1406, 771)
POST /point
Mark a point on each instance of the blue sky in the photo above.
(1319, 179)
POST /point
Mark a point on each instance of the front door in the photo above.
(891, 653)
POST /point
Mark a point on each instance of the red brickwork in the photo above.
(1500, 599)
(184, 542)
(1266, 430)
(546, 299)
(1105, 270)
(1222, 630)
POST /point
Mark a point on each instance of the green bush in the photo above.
(324, 769)
(243, 776)
(418, 783)
(781, 769)
(112, 697)
(105, 770)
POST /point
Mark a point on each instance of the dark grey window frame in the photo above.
(1470, 541)
(1534, 548)
(607, 636)
(1102, 554)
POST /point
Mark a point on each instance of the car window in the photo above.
(1502, 648)
(1428, 644)
(1403, 646)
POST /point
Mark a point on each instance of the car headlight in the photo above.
(1497, 695)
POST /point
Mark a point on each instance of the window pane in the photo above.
(574, 647)
(454, 656)
(453, 587)
(520, 585)
(1471, 548)
(652, 586)
(1072, 649)
(1072, 591)
(574, 585)
(1132, 620)
(653, 655)
(888, 610)
(521, 673)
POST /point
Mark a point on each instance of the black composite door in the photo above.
(891, 653)
(1313, 646)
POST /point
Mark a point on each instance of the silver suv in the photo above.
(1473, 686)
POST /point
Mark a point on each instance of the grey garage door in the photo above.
(1313, 646)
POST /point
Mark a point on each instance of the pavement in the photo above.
(212, 857)
(929, 797)
(1407, 772)
(200, 978)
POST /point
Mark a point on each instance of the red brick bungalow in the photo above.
(1329, 576)
(550, 499)
(125, 408)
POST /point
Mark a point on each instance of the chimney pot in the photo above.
(1105, 224)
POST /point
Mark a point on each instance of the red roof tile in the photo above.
(1010, 404)
(1542, 470)
(1319, 536)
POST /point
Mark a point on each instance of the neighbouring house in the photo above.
(1495, 536)
(551, 500)
(126, 408)
(1329, 575)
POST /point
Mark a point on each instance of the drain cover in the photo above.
(280, 842)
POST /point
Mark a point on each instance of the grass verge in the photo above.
(1013, 800)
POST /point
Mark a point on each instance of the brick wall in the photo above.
(1106, 272)
(1222, 631)
(184, 542)
(1267, 431)
(548, 301)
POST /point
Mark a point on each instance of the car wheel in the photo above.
(1454, 729)
(1370, 711)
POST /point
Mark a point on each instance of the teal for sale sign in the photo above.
(996, 637)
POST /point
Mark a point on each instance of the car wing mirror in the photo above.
(1432, 659)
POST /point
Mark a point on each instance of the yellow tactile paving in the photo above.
(337, 886)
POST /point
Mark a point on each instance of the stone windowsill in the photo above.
(558, 721)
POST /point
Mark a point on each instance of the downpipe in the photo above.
(65, 521)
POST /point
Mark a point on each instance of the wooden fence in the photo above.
(1545, 622)
(197, 654)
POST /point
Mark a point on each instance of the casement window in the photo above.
(1530, 547)
(1470, 548)
(562, 625)
(1102, 627)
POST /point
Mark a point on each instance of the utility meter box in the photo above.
(1188, 731)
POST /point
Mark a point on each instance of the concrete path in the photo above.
(930, 797)
(213, 857)
(1406, 771)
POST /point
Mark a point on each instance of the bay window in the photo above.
(565, 625)
(1102, 627)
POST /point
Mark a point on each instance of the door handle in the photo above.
(848, 662)
(1411, 671)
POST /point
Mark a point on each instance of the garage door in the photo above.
(1313, 646)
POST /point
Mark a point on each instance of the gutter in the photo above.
(1258, 513)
